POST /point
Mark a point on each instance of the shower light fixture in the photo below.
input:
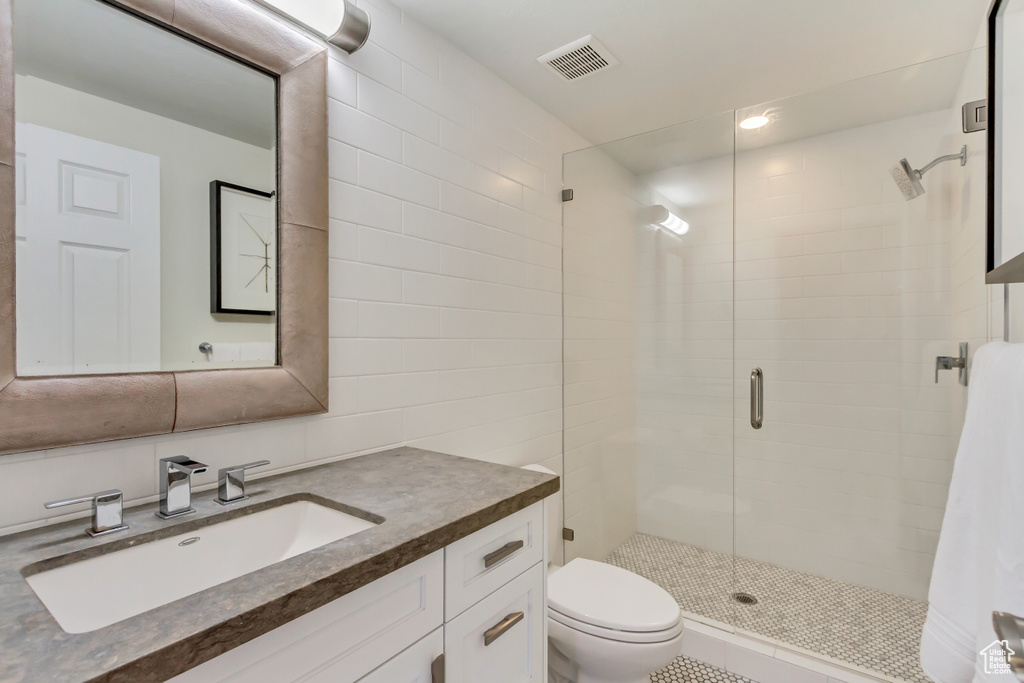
(339, 22)
(664, 218)
(754, 122)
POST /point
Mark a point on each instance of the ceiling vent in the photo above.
(579, 59)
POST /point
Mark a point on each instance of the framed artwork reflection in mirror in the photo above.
(243, 250)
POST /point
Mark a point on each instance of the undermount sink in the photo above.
(100, 591)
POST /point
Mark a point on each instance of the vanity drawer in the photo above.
(501, 639)
(412, 666)
(343, 640)
(482, 562)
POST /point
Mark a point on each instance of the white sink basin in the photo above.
(103, 590)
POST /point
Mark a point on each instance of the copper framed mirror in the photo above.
(75, 402)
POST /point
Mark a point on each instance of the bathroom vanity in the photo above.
(446, 583)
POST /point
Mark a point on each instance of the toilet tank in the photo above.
(553, 518)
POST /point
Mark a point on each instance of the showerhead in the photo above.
(909, 180)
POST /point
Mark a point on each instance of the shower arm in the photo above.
(962, 156)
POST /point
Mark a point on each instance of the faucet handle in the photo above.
(231, 482)
(107, 511)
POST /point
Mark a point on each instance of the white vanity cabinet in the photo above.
(480, 602)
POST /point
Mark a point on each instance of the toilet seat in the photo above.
(612, 603)
(619, 636)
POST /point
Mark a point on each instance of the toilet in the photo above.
(607, 624)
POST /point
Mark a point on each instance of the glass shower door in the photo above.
(648, 310)
(845, 294)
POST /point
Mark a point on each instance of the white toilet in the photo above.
(607, 624)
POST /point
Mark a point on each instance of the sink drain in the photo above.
(744, 598)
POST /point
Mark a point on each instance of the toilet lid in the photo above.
(610, 597)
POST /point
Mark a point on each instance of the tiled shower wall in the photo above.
(445, 283)
(972, 301)
(599, 262)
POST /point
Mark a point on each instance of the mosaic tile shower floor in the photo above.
(685, 670)
(861, 626)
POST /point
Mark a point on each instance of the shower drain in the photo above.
(744, 598)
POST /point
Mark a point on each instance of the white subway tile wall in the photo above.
(445, 283)
(599, 261)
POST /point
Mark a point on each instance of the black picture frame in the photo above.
(216, 292)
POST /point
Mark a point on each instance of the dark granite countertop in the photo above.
(428, 500)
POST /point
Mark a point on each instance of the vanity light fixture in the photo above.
(664, 218)
(339, 22)
(754, 122)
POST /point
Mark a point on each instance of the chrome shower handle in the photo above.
(756, 398)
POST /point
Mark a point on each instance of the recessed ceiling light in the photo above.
(753, 122)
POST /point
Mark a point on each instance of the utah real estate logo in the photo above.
(996, 657)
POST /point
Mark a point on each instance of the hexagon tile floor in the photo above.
(861, 626)
(685, 670)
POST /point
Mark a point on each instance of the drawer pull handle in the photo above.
(499, 629)
(501, 553)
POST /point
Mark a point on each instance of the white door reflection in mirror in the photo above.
(88, 255)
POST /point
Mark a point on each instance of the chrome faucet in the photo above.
(231, 482)
(176, 485)
(107, 511)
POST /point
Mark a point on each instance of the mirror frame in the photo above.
(47, 412)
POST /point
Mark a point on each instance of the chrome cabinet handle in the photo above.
(107, 511)
(437, 669)
(510, 548)
(502, 627)
(756, 398)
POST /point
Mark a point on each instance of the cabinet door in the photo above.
(501, 639)
(412, 666)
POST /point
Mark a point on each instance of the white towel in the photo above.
(979, 563)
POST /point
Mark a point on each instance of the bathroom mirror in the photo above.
(163, 232)
(1005, 261)
(127, 260)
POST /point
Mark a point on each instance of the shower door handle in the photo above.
(756, 398)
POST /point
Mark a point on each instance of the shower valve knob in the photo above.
(949, 362)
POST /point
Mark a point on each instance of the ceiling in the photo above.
(919, 89)
(94, 48)
(684, 59)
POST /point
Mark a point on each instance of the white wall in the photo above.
(190, 158)
(599, 261)
(445, 283)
